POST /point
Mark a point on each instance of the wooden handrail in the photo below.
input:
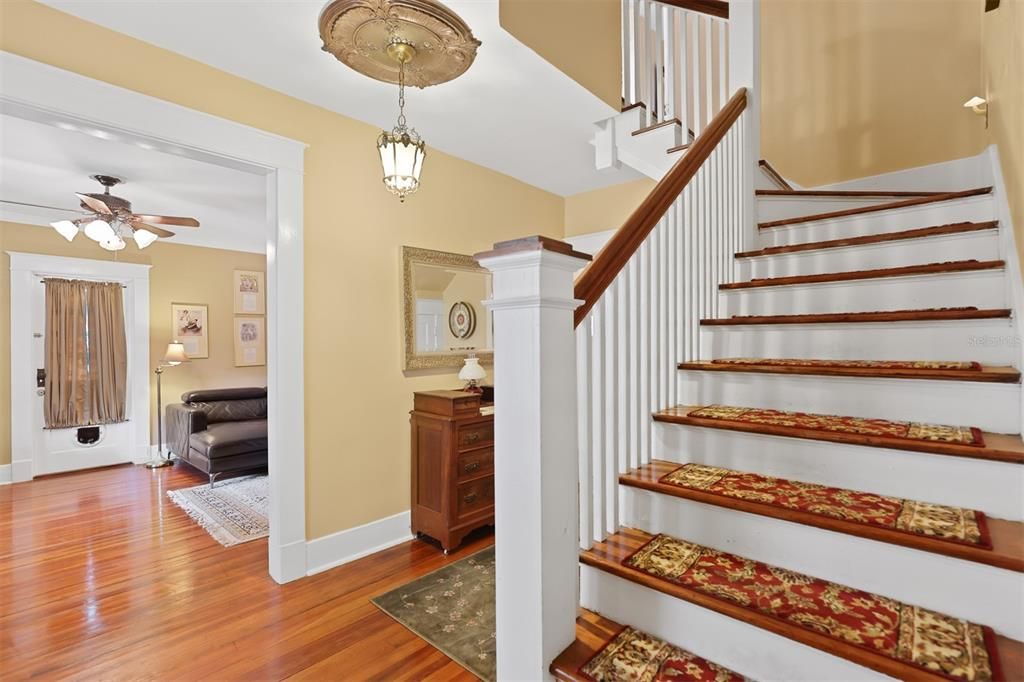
(716, 8)
(605, 267)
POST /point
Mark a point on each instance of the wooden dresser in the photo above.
(452, 466)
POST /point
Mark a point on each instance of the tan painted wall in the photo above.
(852, 88)
(1002, 32)
(184, 274)
(582, 38)
(604, 209)
(357, 398)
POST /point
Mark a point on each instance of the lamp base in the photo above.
(159, 463)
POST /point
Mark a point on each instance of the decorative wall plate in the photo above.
(462, 320)
(358, 33)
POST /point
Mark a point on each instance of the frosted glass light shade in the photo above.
(472, 371)
(66, 228)
(175, 354)
(144, 238)
(115, 244)
(100, 231)
(401, 158)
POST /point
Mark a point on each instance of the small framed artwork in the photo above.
(462, 320)
(250, 292)
(250, 342)
(190, 322)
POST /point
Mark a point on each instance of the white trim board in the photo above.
(348, 545)
(52, 96)
(958, 174)
(5, 474)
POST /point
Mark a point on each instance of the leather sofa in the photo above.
(220, 430)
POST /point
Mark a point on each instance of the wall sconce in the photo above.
(978, 105)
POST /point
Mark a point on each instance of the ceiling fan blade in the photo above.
(52, 208)
(94, 203)
(158, 231)
(168, 220)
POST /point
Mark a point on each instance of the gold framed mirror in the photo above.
(444, 319)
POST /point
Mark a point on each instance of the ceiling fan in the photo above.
(108, 219)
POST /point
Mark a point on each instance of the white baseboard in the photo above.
(354, 543)
(5, 474)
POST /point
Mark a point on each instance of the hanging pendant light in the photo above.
(402, 150)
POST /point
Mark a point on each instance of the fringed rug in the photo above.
(453, 610)
(937, 433)
(636, 656)
(942, 644)
(233, 511)
(954, 524)
(865, 364)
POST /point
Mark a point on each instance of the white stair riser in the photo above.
(781, 207)
(988, 341)
(985, 594)
(971, 209)
(995, 488)
(981, 245)
(982, 289)
(988, 406)
(747, 649)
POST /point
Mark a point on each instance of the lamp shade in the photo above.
(114, 244)
(175, 354)
(401, 157)
(100, 231)
(143, 238)
(472, 371)
(66, 228)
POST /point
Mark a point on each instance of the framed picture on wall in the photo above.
(250, 342)
(250, 292)
(191, 324)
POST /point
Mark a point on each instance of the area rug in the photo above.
(953, 524)
(452, 609)
(638, 657)
(936, 433)
(865, 364)
(233, 511)
(942, 644)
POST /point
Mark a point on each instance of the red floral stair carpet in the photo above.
(941, 644)
(959, 435)
(866, 364)
(636, 656)
(954, 524)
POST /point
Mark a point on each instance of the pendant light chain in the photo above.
(401, 97)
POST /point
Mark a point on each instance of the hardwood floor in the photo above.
(102, 577)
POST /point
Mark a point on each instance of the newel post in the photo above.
(745, 72)
(536, 463)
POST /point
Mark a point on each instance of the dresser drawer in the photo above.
(474, 497)
(475, 463)
(475, 435)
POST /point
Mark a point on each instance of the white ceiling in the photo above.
(512, 111)
(43, 164)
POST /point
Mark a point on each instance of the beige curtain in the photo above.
(86, 353)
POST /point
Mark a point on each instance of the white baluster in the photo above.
(644, 280)
(636, 415)
(611, 393)
(597, 443)
(584, 412)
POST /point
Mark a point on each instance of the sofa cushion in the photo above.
(227, 439)
(232, 410)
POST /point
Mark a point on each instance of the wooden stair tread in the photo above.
(678, 148)
(917, 201)
(609, 555)
(987, 374)
(774, 175)
(876, 273)
(1007, 536)
(842, 193)
(999, 447)
(593, 631)
(655, 126)
(917, 233)
(872, 316)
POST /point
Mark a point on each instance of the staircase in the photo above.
(797, 412)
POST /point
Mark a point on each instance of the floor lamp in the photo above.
(174, 356)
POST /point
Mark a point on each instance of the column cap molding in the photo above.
(533, 243)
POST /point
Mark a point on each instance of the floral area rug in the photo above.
(936, 433)
(864, 364)
(942, 644)
(452, 609)
(955, 524)
(233, 511)
(636, 656)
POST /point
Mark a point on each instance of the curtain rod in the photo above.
(100, 281)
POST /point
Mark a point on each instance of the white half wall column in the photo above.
(536, 463)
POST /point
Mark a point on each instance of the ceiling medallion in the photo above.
(408, 42)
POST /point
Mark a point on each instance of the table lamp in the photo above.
(471, 373)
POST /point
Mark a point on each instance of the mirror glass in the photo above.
(445, 317)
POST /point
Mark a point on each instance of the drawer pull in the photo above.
(471, 467)
(472, 437)
(470, 498)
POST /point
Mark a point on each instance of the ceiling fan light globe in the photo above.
(144, 238)
(100, 231)
(66, 229)
(115, 244)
